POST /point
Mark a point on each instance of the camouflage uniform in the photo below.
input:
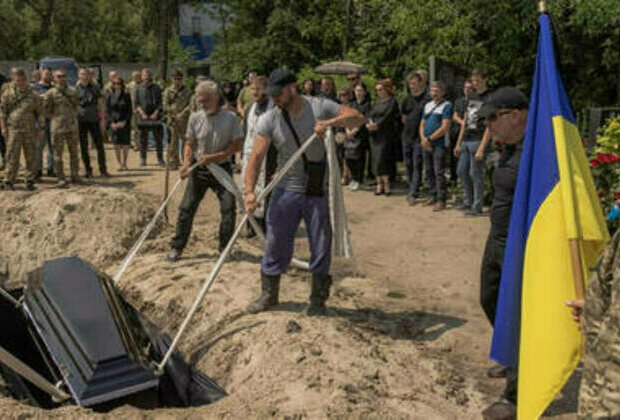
(61, 107)
(599, 396)
(22, 110)
(176, 101)
(135, 133)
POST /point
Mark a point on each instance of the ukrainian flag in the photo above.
(555, 202)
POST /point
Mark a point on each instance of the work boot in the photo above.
(30, 186)
(270, 290)
(319, 294)
(38, 175)
(8, 186)
(2, 166)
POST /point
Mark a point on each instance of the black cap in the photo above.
(503, 98)
(278, 79)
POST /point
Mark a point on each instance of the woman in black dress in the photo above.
(119, 110)
(383, 128)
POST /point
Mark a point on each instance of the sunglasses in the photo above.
(495, 116)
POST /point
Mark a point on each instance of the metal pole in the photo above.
(7, 296)
(134, 249)
(32, 376)
(220, 262)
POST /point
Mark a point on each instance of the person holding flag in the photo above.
(556, 234)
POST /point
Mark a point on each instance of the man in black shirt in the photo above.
(411, 109)
(90, 103)
(471, 159)
(149, 107)
(458, 124)
(505, 115)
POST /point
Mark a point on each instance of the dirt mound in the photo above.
(97, 224)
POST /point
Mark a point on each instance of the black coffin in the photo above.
(80, 321)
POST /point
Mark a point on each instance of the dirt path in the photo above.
(405, 338)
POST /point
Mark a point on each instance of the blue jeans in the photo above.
(286, 209)
(471, 172)
(435, 163)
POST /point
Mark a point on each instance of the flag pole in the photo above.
(575, 257)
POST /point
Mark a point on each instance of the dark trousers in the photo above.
(435, 167)
(490, 278)
(408, 147)
(491, 274)
(92, 128)
(286, 210)
(144, 141)
(356, 167)
(199, 182)
(416, 172)
(2, 148)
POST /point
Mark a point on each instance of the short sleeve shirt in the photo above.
(434, 115)
(273, 126)
(213, 133)
(475, 125)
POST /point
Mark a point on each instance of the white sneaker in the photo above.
(354, 186)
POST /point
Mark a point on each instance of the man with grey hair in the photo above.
(213, 136)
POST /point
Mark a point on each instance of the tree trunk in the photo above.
(162, 38)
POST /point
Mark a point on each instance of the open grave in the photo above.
(72, 328)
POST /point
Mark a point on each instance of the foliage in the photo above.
(390, 37)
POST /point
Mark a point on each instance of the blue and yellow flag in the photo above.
(555, 201)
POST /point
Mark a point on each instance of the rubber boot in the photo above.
(319, 294)
(270, 290)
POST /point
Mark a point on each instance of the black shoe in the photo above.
(38, 175)
(319, 295)
(473, 213)
(8, 186)
(270, 291)
(50, 172)
(161, 163)
(30, 186)
(500, 410)
(174, 256)
(2, 166)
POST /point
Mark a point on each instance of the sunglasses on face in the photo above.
(498, 114)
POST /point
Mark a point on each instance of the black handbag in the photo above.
(314, 170)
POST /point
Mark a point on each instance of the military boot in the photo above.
(319, 294)
(270, 289)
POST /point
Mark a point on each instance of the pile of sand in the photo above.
(97, 224)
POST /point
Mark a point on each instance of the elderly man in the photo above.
(149, 108)
(90, 107)
(300, 194)
(213, 136)
(20, 111)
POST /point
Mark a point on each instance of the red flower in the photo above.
(593, 163)
(617, 195)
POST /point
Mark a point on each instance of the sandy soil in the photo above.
(405, 337)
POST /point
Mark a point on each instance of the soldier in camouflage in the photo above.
(599, 396)
(20, 111)
(176, 109)
(131, 88)
(61, 106)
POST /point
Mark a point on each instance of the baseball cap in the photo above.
(278, 79)
(507, 97)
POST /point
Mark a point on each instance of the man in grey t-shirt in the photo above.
(213, 136)
(294, 119)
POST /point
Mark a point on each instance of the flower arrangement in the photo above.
(605, 165)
